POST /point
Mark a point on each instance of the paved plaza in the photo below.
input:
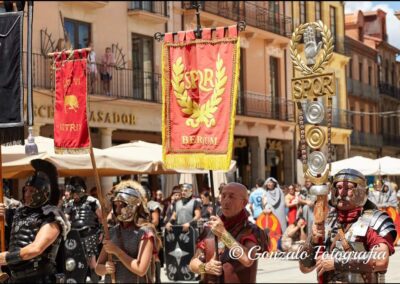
(284, 271)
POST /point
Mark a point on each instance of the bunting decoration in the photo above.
(71, 132)
(11, 85)
(200, 84)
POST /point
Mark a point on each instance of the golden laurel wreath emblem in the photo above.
(327, 50)
(198, 113)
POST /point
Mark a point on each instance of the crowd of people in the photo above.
(137, 221)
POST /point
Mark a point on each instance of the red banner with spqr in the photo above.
(71, 133)
(200, 82)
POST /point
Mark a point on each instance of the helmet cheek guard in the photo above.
(360, 193)
(134, 208)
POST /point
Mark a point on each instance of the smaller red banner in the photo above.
(71, 133)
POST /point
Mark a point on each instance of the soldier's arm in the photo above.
(99, 215)
(100, 268)
(197, 260)
(47, 234)
(140, 265)
(197, 214)
(155, 217)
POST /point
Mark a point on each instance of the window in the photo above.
(303, 16)
(241, 94)
(274, 83)
(360, 71)
(317, 10)
(360, 33)
(352, 116)
(142, 65)
(362, 118)
(79, 33)
(371, 124)
(387, 72)
(370, 75)
(393, 75)
(157, 7)
(351, 68)
(273, 13)
(332, 17)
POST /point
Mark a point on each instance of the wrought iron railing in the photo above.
(366, 139)
(390, 90)
(391, 140)
(125, 83)
(155, 7)
(263, 106)
(362, 90)
(253, 14)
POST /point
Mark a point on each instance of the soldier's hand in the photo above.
(216, 225)
(110, 247)
(318, 233)
(324, 264)
(168, 226)
(110, 267)
(2, 210)
(214, 267)
(185, 227)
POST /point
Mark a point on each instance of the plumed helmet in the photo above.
(360, 194)
(135, 207)
(77, 185)
(45, 184)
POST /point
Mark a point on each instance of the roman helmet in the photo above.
(135, 208)
(76, 185)
(187, 190)
(45, 184)
(360, 194)
(378, 185)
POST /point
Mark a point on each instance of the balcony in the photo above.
(366, 139)
(125, 84)
(253, 14)
(389, 90)
(361, 90)
(153, 11)
(391, 140)
(88, 4)
(263, 106)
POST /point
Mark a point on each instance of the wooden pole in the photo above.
(102, 203)
(3, 276)
(2, 223)
(88, 49)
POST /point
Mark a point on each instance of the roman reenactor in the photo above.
(37, 229)
(354, 225)
(187, 211)
(233, 230)
(133, 240)
(85, 215)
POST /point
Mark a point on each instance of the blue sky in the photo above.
(393, 24)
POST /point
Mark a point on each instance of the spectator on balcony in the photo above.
(92, 68)
(107, 63)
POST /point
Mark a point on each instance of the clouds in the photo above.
(392, 23)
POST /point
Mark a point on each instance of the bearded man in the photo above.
(187, 211)
(354, 227)
(234, 232)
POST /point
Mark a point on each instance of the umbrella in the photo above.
(364, 165)
(16, 164)
(387, 166)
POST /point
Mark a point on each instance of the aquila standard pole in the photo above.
(102, 203)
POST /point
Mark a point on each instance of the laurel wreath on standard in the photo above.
(327, 50)
(198, 113)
